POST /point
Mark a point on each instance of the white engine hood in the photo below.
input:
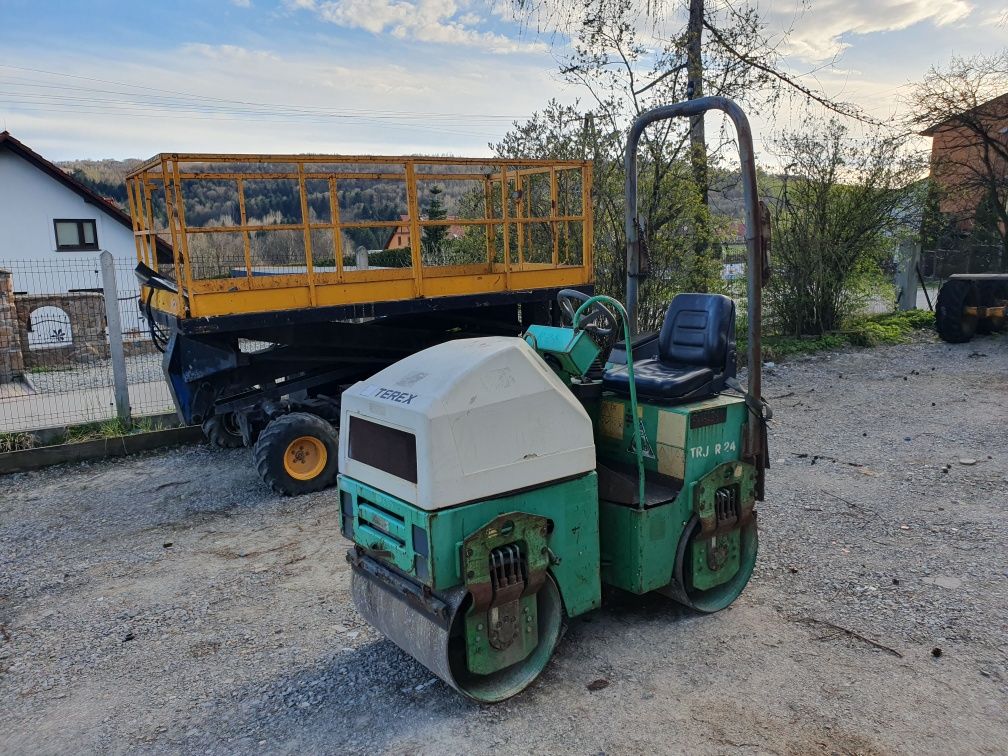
(488, 415)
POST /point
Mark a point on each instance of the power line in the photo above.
(287, 121)
(46, 98)
(212, 100)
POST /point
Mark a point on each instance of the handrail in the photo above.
(638, 447)
(754, 242)
(216, 263)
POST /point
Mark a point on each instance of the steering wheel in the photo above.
(597, 321)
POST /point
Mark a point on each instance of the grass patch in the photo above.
(867, 331)
(10, 442)
(76, 434)
(890, 328)
(110, 429)
(95, 431)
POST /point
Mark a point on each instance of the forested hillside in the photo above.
(106, 177)
(215, 203)
(210, 201)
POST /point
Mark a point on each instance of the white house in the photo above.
(52, 229)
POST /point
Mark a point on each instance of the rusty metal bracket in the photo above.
(526, 532)
(724, 499)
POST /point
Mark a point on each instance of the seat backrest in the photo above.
(699, 329)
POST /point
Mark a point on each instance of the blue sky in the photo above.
(113, 79)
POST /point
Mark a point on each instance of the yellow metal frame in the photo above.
(166, 175)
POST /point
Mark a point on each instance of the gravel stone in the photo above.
(875, 621)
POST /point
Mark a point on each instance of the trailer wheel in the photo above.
(297, 454)
(223, 431)
(953, 325)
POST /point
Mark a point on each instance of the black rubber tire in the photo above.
(272, 444)
(950, 322)
(223, 431)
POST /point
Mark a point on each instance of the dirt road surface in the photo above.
(169, 603)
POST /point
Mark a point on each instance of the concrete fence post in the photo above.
(115, 337)
(909, 256)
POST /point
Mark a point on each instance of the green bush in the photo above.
(874, 333)
(891, 328)
(919, 318)
(870, 331)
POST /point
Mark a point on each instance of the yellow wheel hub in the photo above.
(305, 458)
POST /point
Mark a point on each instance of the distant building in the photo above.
(46, 215)
(400, 237)
(960, 148)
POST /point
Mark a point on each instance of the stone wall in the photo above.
(87, 341)
(11, 362)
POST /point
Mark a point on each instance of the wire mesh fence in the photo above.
(878, 297)
(55, 350)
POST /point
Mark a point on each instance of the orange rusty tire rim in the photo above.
(305, 458)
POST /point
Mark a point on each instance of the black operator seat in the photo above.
(696, 353)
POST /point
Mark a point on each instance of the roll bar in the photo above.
(754, 240)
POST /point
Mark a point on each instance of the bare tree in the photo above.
(843, 202)
(741, 57)
(964, 108)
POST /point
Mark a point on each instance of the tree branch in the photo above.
(840, 108)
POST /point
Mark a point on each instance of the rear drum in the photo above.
(682, 587)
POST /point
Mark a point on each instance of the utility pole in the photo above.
(694, 89)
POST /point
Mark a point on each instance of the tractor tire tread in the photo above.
(268, 452)
(952, 298)
(217, 434)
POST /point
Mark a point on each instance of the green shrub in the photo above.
(870, 331)
(873, 333)
(919, 319)
(891, 328)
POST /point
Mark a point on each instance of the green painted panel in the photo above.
(573, 349)
(685, 442)
(430, 550)
(639, 545)
(716, 560)
(671, 443)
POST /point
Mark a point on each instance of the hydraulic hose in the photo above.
(621, 311)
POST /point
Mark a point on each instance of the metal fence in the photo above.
(74, 345)
(880, 298)
(939, 263)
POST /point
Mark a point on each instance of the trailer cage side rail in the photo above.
(516, 225)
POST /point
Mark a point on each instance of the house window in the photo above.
(73, 235)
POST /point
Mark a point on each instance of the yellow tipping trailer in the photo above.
(540, 211)
(290, 277)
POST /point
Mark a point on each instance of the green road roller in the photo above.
(492, 486)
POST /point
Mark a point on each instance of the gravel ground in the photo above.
(140, 368)
(168, 603)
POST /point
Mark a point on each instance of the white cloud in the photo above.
(242, 3)
(435, 21)
(239, 99)
(819, 33)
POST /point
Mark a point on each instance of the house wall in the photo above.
(29, 201)
(952, 151)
